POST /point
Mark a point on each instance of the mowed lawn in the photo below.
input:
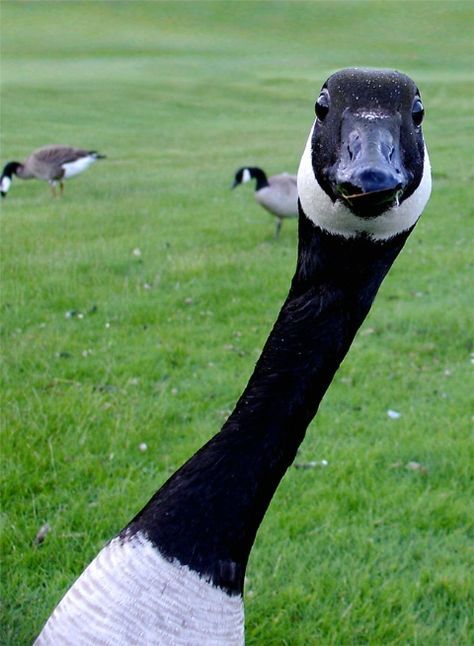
(134, 308)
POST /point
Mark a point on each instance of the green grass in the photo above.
(178, 96)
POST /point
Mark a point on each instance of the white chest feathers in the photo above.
(131, 595)
(338, 219)
(78, 166)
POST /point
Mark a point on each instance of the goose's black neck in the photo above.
(260, 178)
(11, 168)
(207, 514)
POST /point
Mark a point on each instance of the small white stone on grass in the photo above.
(416, 466)
(143, 447)
(393, 414)
(137, 252)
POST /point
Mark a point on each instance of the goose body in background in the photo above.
(51, 163)
(277, 194)
(175, 573)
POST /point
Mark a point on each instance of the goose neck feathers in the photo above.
(208, 513)
(10, 169)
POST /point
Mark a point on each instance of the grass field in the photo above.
(174, 282)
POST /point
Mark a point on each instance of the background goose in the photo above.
(277, 194)
(175, 574)
(51, 163)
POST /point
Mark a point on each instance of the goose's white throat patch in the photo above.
(337, 219)
(131, 595)
(5, 184)
(246, 176)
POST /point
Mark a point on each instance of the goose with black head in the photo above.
(175, 574)
(53, 164)
(277, 194)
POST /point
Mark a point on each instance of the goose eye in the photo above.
(322, 105)
(418, 112)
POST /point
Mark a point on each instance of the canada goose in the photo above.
(175, 574)
(51, 163)
(277, 194)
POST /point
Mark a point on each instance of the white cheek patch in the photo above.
(78, 166)
(5, 184)
(338, 219)
(130, 594)
(246, 176)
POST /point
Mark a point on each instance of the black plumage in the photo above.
(208, 512)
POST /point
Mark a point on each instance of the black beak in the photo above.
(234, 184)
(3, 194)
(369, 177)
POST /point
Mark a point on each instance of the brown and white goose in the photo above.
(277, 194)
(51, 163)
(175, 574)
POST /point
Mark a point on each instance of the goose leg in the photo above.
(278, 227)
(61, 187)
(53, 187)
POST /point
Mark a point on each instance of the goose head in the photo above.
(365, 170)
(6, 177)
(243, 175)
